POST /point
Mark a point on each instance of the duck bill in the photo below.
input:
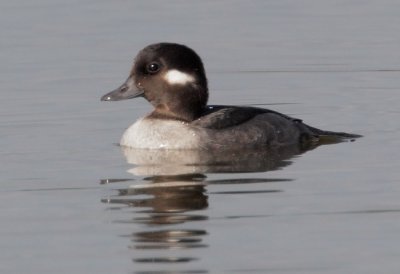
(127, 90)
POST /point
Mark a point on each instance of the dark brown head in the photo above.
(171, 77)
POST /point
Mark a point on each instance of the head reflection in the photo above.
(165, 201)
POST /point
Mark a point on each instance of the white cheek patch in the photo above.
(176, 77)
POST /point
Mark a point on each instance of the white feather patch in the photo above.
(160, 134)
(176, 77)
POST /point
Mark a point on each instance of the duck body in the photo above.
(172, 78)
(224, 127)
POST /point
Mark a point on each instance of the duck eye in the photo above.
(153, 67)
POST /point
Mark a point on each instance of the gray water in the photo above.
(72, 202)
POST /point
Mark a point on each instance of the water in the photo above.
(72, 202)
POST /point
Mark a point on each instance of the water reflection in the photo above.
(172, 162)
(174, 194)
(165, 201)
(169, 219)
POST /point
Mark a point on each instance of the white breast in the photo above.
(156, 134)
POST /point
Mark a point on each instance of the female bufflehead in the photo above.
(172, 78)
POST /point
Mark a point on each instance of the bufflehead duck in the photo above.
(172, 78)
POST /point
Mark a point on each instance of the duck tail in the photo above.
(344, 135)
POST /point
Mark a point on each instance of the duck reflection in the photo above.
(169, 162)
(166, 200)
(165, 194)
(172, 194)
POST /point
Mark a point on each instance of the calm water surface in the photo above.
(71, 201)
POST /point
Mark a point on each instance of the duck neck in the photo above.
(186, 106)
(163, 112)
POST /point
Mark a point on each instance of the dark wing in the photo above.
(279, 128)
(220, 117)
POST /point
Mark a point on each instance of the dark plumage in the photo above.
(172, 78)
